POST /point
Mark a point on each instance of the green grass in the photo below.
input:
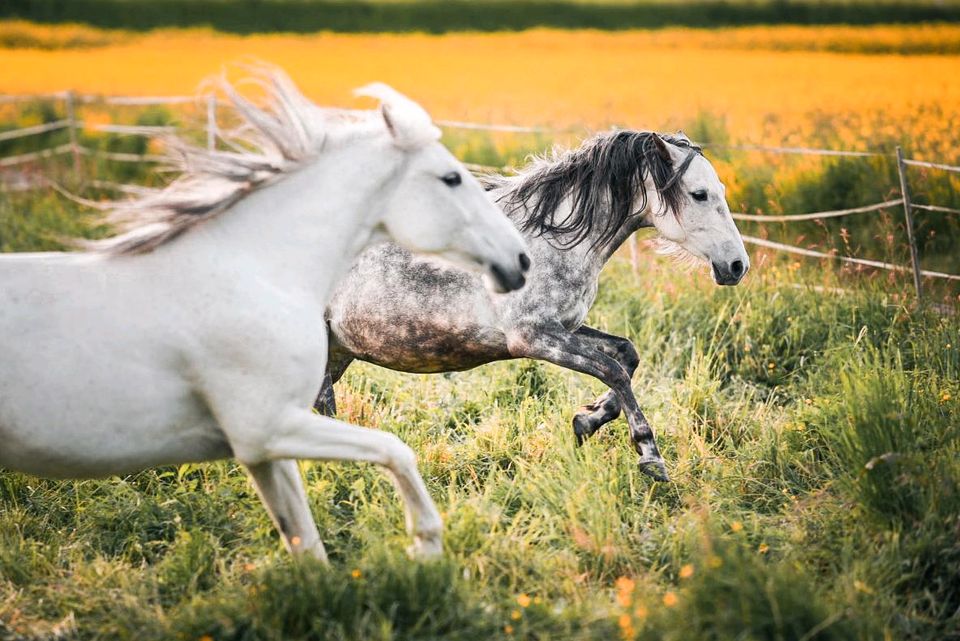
(815, 499)
(248, 16)
(812, 437)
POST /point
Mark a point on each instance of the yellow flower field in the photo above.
(764, 81)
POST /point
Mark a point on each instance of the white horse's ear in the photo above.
(408, 123)
(662, 149)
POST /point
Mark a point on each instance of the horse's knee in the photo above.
(627, 355)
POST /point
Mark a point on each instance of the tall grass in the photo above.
(812, 439)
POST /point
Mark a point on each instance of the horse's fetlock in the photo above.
(430, 526)
(400, 454)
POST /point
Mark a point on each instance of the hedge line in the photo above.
(250, 16)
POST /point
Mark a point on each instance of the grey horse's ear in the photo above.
(662, 150)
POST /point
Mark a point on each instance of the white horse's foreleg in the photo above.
(280, 487)
(306, 435)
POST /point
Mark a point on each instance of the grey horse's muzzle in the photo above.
(729, 273)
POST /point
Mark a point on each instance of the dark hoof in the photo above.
(582, 428)
(655, 469)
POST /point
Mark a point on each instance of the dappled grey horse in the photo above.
(575, 209)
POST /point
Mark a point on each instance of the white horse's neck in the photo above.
(304, 230)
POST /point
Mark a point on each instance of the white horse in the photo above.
(146, 349)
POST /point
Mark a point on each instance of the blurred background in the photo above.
(809, 416)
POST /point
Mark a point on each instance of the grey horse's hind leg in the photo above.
(606, 408)
(554, 344)
(337, 364)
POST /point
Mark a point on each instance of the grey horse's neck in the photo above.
(591, 252)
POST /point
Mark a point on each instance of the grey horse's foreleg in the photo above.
(606, 408)
(556, 345)
(337, 364)
(326, 402)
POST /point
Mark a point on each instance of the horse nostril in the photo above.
(736, 268)
(524, 262)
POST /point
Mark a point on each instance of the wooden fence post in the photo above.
(908, 213)
(72, 130)
(211, 122)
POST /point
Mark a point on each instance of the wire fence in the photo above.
(73, 124)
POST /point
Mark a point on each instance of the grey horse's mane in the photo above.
(601, 178)
(271, 140)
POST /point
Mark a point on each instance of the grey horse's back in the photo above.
(413, 314)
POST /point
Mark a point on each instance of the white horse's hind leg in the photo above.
(305, 435)
(280, 487)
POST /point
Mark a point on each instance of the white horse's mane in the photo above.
(273, 139)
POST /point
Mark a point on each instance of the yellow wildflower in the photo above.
(356, 574)
(860, 586)
(515, 615)
(508, 629)
(625, 588)
(686, 571)
(736, 526)
(524, 601)
(763, 549)
(670, 599)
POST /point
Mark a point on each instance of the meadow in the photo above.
(810, 417)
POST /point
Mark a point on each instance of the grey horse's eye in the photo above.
(452, 179)
(699, 195)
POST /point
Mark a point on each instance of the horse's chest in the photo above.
(574, 312)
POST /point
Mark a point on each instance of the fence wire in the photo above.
(144, 130)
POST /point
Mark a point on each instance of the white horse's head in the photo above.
(438, 208)
(694, 215)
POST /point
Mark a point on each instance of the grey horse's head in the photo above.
(629, 179)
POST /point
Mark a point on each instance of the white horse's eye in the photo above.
(452, 179)
(700, 195)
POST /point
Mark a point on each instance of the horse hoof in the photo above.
(425, 548)
(581, 428)
(655, 469)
